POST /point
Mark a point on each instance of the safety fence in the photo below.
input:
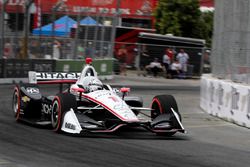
(136, 54)
(230, 50)
(59, 48)
(18, 68)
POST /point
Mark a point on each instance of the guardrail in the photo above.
(18, 68)
(226, 99)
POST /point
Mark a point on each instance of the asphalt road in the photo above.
(210, 142)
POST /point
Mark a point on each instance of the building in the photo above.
(137, 15)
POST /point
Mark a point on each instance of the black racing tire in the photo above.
(162, 104)
(60, 105)
(16, 103)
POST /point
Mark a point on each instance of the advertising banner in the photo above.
(15, 68)
(43, 65)
(140, 8)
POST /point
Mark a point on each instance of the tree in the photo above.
(207, 26)
(182, 18)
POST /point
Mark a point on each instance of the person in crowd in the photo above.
(170, 52)
(154, 67)
(89, 51)
(175, 69)
(7, 50)
(56, 50)
(183, 57)
(122, 57)
(166, 59)
(80, 51)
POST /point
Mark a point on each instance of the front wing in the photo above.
(77, 123)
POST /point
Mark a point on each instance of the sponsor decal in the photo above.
(46, 108)
(227, 99)
(120, 107)
(25, 99)
(32, 90)
(124, 110)
(235, 100)
(248, 109)
(114, 98)
(103, 67)
(66, 68)
(243, 102)
(49, 75)
(100, 94)
(211, 93)
(70, 126)
(220, 96)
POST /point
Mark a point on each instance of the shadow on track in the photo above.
(122, 133)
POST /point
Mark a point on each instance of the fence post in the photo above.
(24, 52)
(75, 51)
(4, 3)
(202, 60)
(114, 25)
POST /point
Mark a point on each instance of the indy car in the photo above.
(89, 106)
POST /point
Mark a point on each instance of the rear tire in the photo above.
(162, 104)
(61, 104)
(16, 103)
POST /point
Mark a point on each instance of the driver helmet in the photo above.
(91, 84)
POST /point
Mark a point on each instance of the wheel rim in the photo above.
(55, 115)
(16, 104)
(156, 108)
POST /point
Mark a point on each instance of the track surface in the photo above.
(209, 142)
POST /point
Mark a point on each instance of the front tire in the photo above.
(61, 104)
(162, 104)
(16, 103)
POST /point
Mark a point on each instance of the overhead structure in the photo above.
(62, 28)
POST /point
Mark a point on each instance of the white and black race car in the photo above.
(88, 105)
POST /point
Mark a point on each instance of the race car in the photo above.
(89, 106)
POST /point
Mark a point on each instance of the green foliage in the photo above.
(183, 18)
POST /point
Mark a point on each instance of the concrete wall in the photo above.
(226, 92)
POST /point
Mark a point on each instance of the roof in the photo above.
(62, 27)
(172, 38)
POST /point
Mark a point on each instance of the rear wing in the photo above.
(53, 77)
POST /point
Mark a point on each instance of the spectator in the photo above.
(166, 60)
(154, 67)
(170, 54)
(56, 50)
(7, 50)
(183, 57)
(122, 56)
(175, 69)
(89, 51)
(80, 51)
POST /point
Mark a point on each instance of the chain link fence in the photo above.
(100, 37)
(138, 55)
(231, 42)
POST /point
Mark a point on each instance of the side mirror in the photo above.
(125, 90)
(81, 90)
